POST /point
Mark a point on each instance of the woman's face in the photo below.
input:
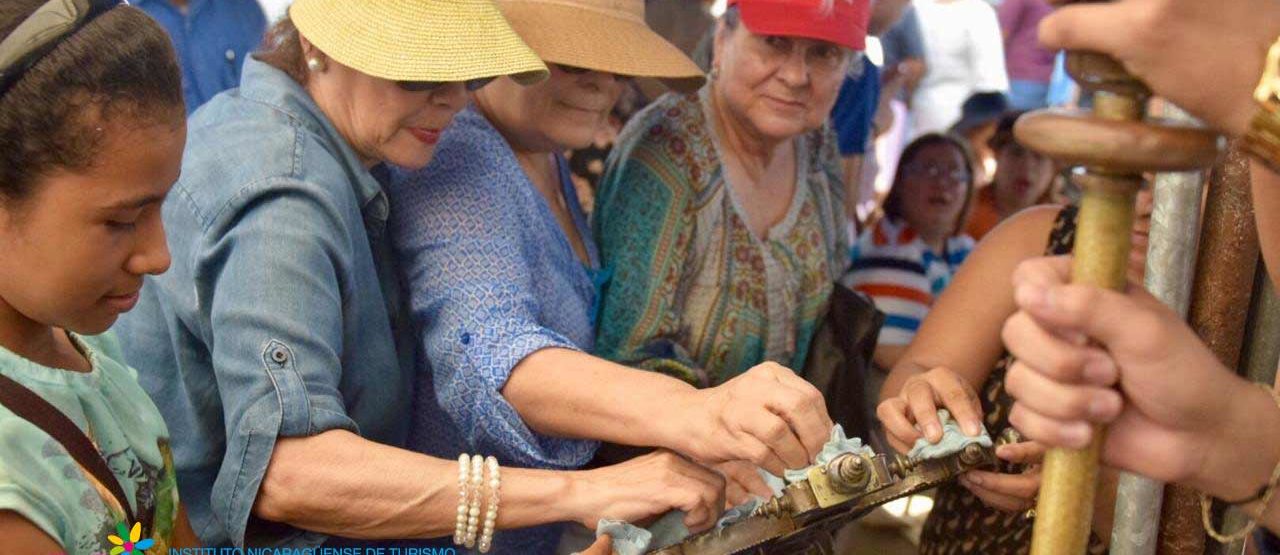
(934, 184)
(1023, 177)
(563, 112)
(380, 119)
(77, 247)
(778, 87)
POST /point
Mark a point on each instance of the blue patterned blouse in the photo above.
(491, 278)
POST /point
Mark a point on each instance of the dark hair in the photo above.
(121, 67)
(282, 49)
(1004, 130)
(893, 203)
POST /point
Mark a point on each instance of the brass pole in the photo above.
(1116, 145)
(1064, 512)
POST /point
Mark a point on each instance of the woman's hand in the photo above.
(914, 412)
(1009, 492)
(742, 481)
(648, 486)
(1173, 44)
(768, 416)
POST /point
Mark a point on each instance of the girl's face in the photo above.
(77, 247)
(934, 183)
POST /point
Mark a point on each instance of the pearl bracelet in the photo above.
(460, 526)
(491, 515)
(474, 499)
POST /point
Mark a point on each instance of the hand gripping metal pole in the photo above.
(1171, 262)
(1115, 144)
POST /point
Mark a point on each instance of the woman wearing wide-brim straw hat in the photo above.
(503, 276)
(277, 346)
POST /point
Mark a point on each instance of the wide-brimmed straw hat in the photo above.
(418, 40)
(603, 35)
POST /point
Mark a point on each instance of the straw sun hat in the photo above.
(604, 35)
(418, 40)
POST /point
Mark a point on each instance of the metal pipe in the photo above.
(1116, 145)
(1171, 257)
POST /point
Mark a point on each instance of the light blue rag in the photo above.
(953, 440)
(836, 446)
(669, 530)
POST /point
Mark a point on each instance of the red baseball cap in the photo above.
(844, 23)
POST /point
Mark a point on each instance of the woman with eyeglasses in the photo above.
(907, 259)
(277, 346)
(503, 277)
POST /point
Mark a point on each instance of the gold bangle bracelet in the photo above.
(1263, 138)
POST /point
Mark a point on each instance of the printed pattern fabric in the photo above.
(491, 278)
(41, 482)
(695, 294)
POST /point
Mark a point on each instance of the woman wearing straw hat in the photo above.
(277, 348)
(721, 214)
(503, 277)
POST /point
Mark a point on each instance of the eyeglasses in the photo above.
(820, 57)
(936, 171)
(42, 31)
(429, 86)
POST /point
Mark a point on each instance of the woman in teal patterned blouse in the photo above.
(721, 213)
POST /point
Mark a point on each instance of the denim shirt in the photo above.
(213, 38)
(280, 315)
(491, 278)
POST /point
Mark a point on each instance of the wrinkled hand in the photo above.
(1009, 492)
(649, 486)
(1172, 44)
(768, 416)
(742, 481)
(914, 412)
(1175, 392)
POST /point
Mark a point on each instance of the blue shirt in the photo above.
(280, 315)
(855, 109)
(492, 278)
(213, 39)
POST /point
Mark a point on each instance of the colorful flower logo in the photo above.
(130, 542)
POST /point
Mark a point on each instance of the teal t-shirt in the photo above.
(40, 481)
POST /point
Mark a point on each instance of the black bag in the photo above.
(840, 358)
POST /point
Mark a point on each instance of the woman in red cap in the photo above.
(720, 214)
